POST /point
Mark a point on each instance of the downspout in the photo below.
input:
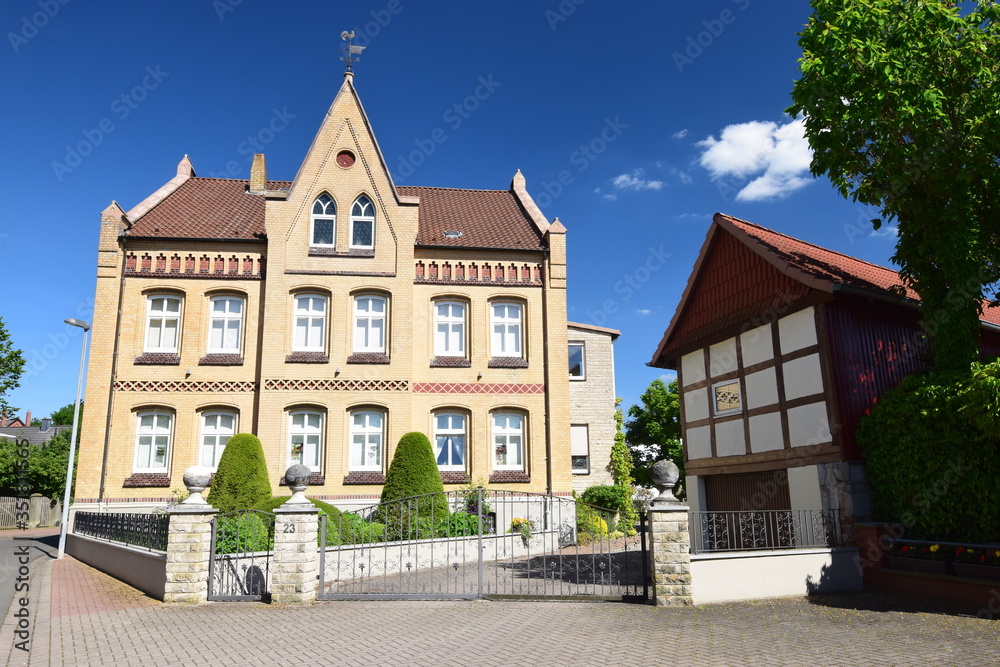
(114, 371)
(548, 377)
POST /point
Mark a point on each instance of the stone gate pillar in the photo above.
(670, 549)
(295, 566)
(189, 542)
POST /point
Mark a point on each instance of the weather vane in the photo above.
(350, 50)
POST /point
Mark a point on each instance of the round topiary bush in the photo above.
(241, 480)
(413, 472)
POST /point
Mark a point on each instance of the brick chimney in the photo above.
(27, 418)
(258, 175)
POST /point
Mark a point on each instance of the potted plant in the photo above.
(524, 527)
(911, 557)
(977, 562)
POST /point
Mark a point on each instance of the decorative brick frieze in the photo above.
(307, 358)
(455, 477)
(158, 359)
(450, 362)
(316, 479)
(509, 477)
(477, 388)
(507, 362)
(335, 385)
(368, 358)
(221, 360)
(433, 272)
(364, 477)
(147, 479)
(248, 267)
(177, 385)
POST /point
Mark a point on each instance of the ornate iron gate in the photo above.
(480, 544)
(242, 545)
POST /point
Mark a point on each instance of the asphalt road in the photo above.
(13, 548)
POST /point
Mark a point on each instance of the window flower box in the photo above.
(917, 565)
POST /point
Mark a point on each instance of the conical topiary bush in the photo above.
(241, 480)
(413, 472)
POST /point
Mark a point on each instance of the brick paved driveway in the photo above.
(87, 618)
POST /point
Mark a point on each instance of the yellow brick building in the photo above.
(328, 315)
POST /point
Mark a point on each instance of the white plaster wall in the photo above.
(696, 404)
(693, 367)
(699, 442)
(803, 488)
(797, 330)
(751, 575)
(808, 425)
(762, 389)
(803, 377)
(729, 438)
(695, 488)
(757, 345)
(722, 357)
(765, 433)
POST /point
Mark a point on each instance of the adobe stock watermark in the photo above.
(697, 44)
(39, 358)
(121, 108)
(581, 158)
(454, 116)
(22, 615)
(562, 12)
(255, 143)
(31, 24)
(629, 284)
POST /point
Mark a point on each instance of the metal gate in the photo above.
(481, 544)
(242, 546)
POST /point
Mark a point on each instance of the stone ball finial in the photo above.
(297, 479)
(665, 475)
(196, 480)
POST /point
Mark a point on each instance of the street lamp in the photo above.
(72, 440)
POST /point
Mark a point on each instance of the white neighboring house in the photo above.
(592, 402)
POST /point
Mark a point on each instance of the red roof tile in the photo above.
(485, 218)
(207, 208)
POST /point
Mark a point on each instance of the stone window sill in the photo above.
(368, 358)
(508, 362)
(307, 358)
(509, 477)
(147, 480)
(221, 360)
(364, 477)
(158, 359)
(450, 362)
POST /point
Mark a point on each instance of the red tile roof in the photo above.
(486, 219)
(207, 208)
(728, 286)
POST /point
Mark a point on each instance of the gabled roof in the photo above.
(743, 268)
(485, 218)
(33, 434)
(206, 208)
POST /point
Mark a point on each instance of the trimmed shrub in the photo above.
(589, 524)
(932, 459)
(271, 504)
(241, 480)
(243, 532)
(413, 472)
(608, 497)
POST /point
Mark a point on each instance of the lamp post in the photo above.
(72, 440)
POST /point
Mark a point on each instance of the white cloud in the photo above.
(610, 197)
(635, 182)
(643, 311)
(680, 134)
(696, 216)
(885, 231)
(777, 156)
(684, 176)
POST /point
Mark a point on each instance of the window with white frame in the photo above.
(449, 440)
(216, 430)
(305, 438)
(449, 329)
(508, 441)
(152, 441)
(369, 323)
(225, 323)
(366, 439)
(506, 319)
(323, 228)
(576, 362)
(579, 439)
(163, 323)
(363, 223)
(310, 323)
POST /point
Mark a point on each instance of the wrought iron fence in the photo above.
(764, 530)
(242, 548)
(141, 530)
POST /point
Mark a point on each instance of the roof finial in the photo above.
(350, 49)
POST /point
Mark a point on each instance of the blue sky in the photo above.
(633, 123)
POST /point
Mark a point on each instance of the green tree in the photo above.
(64, 415)
(412, 472)
(11, 367)
(46, 469)
(241, 479)
(653, 430)
(620, 466)
(900, 100)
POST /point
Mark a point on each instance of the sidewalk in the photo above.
(83, 617)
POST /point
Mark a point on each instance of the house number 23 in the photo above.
(289, 528)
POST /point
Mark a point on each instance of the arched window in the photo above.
(369, 323)
(367, 430)
(216, 429)
(449, 440)
(508, 441)
(323, 230)
(310, 323)
(449, 329)
(163, 323)
(152, 441)
(225, 322)
(305, 438)
(506, 319)
(363, 223)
